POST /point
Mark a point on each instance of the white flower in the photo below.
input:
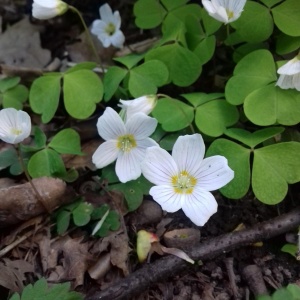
(225, 11)
(184, 180)
(144, 104)
(108, 28)
(290, 74)
(125, 143)
(15, 125)
(47, 9)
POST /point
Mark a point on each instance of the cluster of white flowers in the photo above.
(183, 180)
(107, 29)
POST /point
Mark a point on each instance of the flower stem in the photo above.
(89, 37)
(39, 197)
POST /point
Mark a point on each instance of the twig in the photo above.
(255, 280)
(229, 266)
(165, 267)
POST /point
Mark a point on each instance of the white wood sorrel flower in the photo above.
(225, 11)
(144, 104)
(290, 74)
(47, 9)
(15, 125)
(124, 142)
(108, 28)
(184, 180)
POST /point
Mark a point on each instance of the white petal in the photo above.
(146, 143)
(208, 6)
(141, 126)
(285, 82)
(296, 81)
(292, 67)
(166, 197)
(159, 166)
(106, 13)
(214, 173)
(118, 39)
(117, 20)
(98, 27)
(47, 9)
(188, 152)
(199, 206)
(106, 153)
(110, 125)
(128, 166)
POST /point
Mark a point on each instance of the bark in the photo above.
(160, 270)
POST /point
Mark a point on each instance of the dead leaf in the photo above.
(101, 267)
(12, 273)
(20, 45)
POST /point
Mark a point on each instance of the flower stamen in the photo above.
(126, 142)
(110, 29)
(183, 183)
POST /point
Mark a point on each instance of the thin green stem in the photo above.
(89, 37)
(18, 148)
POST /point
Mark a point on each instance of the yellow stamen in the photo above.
(110, 28)
(15, 131)
(183, 183)
(230, 14)
(126, 142)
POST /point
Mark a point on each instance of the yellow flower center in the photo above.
(126, 142)
(183, 183)
(110, 29)
(230, 14)
(15, 131)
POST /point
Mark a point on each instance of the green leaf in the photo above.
(210, 24)
(112, 79)
(8, 83)
(239, 161)
(82, 214)
(109, 174)
(168, 141)
(255, 70)
(255, 23)
(272, 105)
(171, 4)
(294, 289)
(184, 66)
(44, 96)
(39, 137)
(46, 162)
(286, 44)
(182, 114)
(291, 249)
(40, 291)
(270, 3)
(213, 117)
(286, 17)
(183, 12)
(206, 49)
(148, 13)
(8, 157)
(82, 90)
(67, 141)
(129, 61)
(245, 49)
(197, 99)
(145, 78)
(15, 97)
(274, 167)
(87, 65)
(63, 221)
(255, 138)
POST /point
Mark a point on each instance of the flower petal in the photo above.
(106, 13)
(285, 82)
(106, 153)
(128, 166)
(292, 67)
(118, 39)
(166, 197)
(110, 125)
(199, 206)
(146, 143)
(140, 126)
(117, 19)
(159, 166)
(188, 152)
(214, 173)
(98, 27)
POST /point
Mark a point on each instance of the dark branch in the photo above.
(139, 281)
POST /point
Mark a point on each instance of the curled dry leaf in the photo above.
(19, 203)
(182, 238)
(101, 267)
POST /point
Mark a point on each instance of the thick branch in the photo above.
(139, 281)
